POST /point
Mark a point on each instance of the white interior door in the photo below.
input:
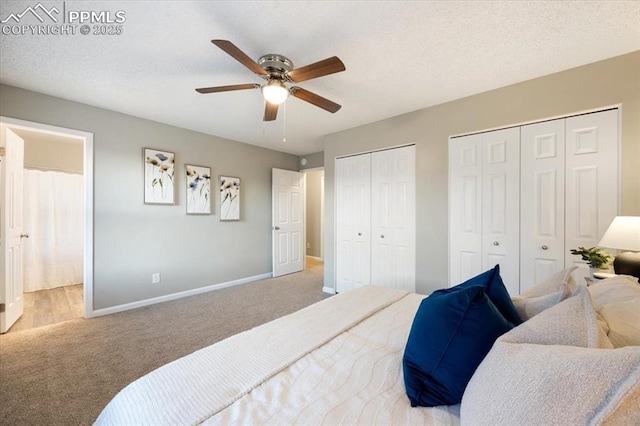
(353, 222)
(288, 221)
(501, 205)
(393, 221)
(11, 167)
(542, 215)
(465, 208)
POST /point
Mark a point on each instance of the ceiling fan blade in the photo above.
(240, 56)
(270, 111)
(314, 99)
(228, 88)
(318, 69)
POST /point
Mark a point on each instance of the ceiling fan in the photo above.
(278, 70)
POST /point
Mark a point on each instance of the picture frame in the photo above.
(159, 176)
(229, 198)
(198, 189)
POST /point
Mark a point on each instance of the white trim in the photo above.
(540, 120)
(87, 139)
(180, 295)
(313, 169)
(619, 106)
(319, 259)
(374, 150)
(322, 216)
(328, 290)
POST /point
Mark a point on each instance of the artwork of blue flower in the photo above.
(198, 189)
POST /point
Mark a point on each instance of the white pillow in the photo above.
(617, 300)
(545, 294)
(532, 376)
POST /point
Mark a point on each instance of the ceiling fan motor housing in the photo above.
(276, 65)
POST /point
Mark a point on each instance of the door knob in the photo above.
(24, 235)
(495, 243)
(277, 228)
(544, 247)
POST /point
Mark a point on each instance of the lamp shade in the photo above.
(623, 234)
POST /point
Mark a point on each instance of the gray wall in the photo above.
(314, 161)
(592, 86)
(313, 228)
(133, 240)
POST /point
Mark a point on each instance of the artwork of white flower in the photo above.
(158, 177)
(198, 189)
(229, 198)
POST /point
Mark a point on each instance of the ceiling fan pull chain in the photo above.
(284, 122)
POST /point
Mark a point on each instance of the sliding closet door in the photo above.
(501, 204)
(393, 222)
(353, 222)
(484, 203)
(591, 181)
(542, 215)
(465, 208)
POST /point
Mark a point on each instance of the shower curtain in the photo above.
(53, 218)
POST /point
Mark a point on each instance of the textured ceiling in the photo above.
(400, 57)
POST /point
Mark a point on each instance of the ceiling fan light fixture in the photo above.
(275, 92)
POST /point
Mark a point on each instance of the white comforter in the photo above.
(336, 362)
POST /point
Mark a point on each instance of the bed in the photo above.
(338, 361)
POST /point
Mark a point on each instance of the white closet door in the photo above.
(542, 201)
(353, 222)
(465, 208)
(591, 181)
(393, 259)
(501, 204)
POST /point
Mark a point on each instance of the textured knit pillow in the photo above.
(495, 289)
(617, 300)
(545, 294)
(543, 372)
(451, 333)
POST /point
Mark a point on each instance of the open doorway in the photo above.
(57, 223)
(314, 227)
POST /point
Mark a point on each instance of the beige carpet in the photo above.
(64, 374)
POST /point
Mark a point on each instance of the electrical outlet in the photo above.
(308, 245)
(155, 278)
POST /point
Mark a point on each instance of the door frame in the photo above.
(87, 138)
(306, 195)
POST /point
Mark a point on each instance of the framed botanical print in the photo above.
(198, 182)
(158, 176)
(229, 198)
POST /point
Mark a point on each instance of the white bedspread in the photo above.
(336, 362)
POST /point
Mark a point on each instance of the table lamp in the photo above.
(624, 234)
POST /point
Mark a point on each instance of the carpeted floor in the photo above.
(64, 374)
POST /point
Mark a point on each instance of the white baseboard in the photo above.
(319, 259)
(180, 295)
(328, 290)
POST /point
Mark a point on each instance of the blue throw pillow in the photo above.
(493, 286)
(452, 332)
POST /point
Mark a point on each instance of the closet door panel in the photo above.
(393, 218)
(592, 181)
(542, 151)
(501, 204)
(353, 222)
(465, 208)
